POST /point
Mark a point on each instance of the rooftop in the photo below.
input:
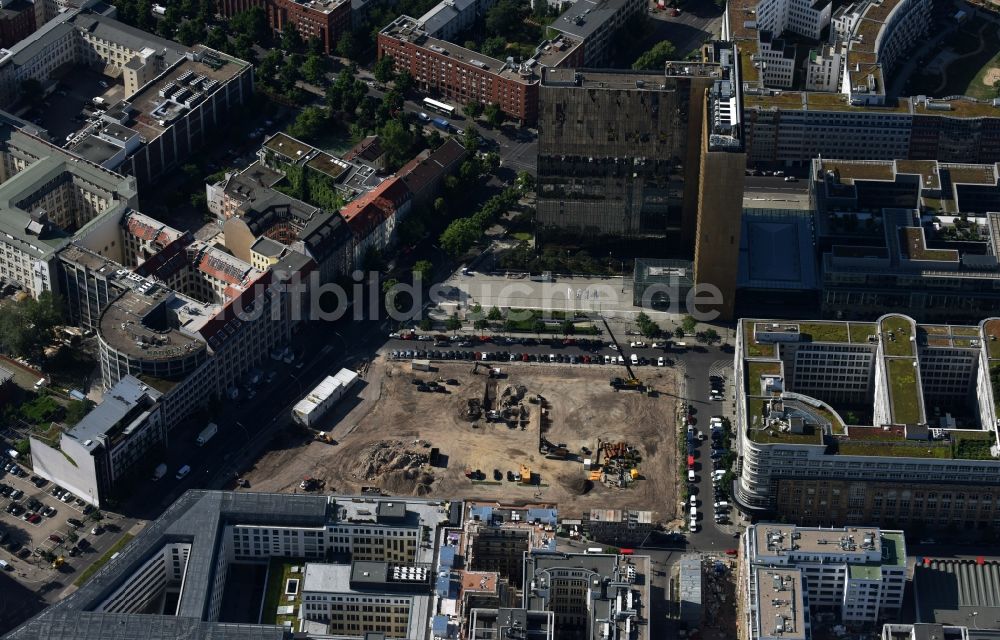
(960, 592)
(287, 146)
(123, 407)
(585, 17)
(158, 104)
(136, 324)
(780, 604)
(407, 29)
(913, 246)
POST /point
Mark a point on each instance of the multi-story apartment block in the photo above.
(191, 549)
(448, 18)
(918, 236)
(176, 98)
(373, 218)
(366, 598)
(788, 574)
(776, 60)
(636, 154)
(17, 21)
(594, 23)
(111, 446)
(463, 75)
(854, 422)
(49, 199)
(823, 69)
(806, 18)
(591, 595)
(511, 624)
(325, 20)
(844, 112)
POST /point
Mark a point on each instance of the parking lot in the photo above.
(36, 522)
(60, 113)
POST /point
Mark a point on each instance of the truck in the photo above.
(441, 124)
(421, 365)
(207, 434)
(159, 472)
(327, 393)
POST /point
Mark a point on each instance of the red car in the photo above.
(731, 552)
(525, 357)
(55, 538)
(34, 518)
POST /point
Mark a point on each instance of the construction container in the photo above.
(420, 365)
(634, 473)
(525, 475)
(587, 464)
(326, 394)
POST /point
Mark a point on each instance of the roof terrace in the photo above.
(897, 336)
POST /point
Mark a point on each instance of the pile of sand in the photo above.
(385, 458)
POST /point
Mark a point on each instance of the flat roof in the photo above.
(781, 539)
(585, 17)
(781, 608)
(950, 591)
(123, 324)
(288, 146)
(150, 109)
(623, 79)
(124, 405)
(406, 29)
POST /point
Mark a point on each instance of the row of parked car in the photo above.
(507, 356)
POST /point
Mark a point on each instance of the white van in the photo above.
(693, 525)
(694, 512)
(690, 475)
(635, 359)
(183, 471)
(721, 505)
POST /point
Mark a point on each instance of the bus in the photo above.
(440, 107)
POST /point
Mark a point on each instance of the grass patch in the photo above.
(861, 330)
(825, 331)
(966, 449)
(522, 236)
(972, 332)
(903, 389)
(895, 450)
(103, 560)
(965, 77)
(899, 343)
(755, 370)
(752, 348)
(279, 571)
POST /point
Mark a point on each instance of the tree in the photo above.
(440, 206)
(309, 123)
(26, 327)
(404, 81)
(678, 332)
(426, 324)
(252, 23)
(191, 32)
(453, 323)
(471, 138)
(314, 46)
(397, 140)
(493, 114)
(567, 327)
(689, 324)
(384, 69)
(494, 46)
(525, 181)
(504, 18)
(711, 336)
(314, 69)
(347, 45)
(495, 314)
(481, 323)
(656, 56)
(291, 42)
(473, 109)
(423, 267)
(538, 326)
(23, 447)
(459, 236)
(646, 326)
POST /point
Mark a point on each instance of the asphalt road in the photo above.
(698, 21)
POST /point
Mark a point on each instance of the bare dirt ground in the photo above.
(384, 439)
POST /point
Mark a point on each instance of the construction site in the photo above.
(516, 431)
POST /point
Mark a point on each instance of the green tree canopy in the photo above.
(473, 109)
(252, 23)
(655, 58)
(309, 124)
(493, 114)
(384, 69)
(26, 327)
(425, 268)
(397, 140)
(291, 42)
